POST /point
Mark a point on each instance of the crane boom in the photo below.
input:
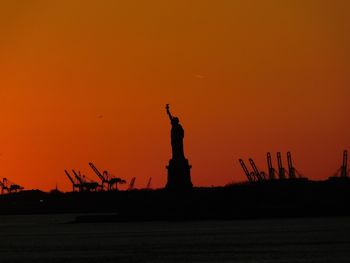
(281, 170)
(69, 177)
(246, 171)
(97, 172)
(101, 176)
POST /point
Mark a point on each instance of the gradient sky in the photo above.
(85, 81)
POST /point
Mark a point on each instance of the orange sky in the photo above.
(245, 77)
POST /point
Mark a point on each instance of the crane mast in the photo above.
(272, 170)
(344, 167)
(291, 169)
(281, 170)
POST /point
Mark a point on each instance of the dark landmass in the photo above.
(269, 199)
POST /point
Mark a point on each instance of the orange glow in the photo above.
(88, 81)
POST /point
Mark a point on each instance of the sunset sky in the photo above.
(85, 81)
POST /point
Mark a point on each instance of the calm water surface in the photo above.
(48, 238)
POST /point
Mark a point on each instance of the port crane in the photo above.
(111, 181)
(291, 169)
(250, 175)
(132, 184)
(272, 171)
(75, 183)
(343, 171)
(85, 185)
(281, 169)
(344, 167)
(258, 174)
(9, 186)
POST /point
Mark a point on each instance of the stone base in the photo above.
(179, 174)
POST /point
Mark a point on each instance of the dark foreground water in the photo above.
(48, 238)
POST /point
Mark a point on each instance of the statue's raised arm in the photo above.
(168, 112)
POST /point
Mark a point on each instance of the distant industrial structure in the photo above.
(257, 175)
(85, 183)
(82, 183)
(342, 172)
(106, 178)
(75, 183)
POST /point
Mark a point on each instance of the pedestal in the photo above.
(179, 174)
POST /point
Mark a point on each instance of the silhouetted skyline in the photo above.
(87, 82)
